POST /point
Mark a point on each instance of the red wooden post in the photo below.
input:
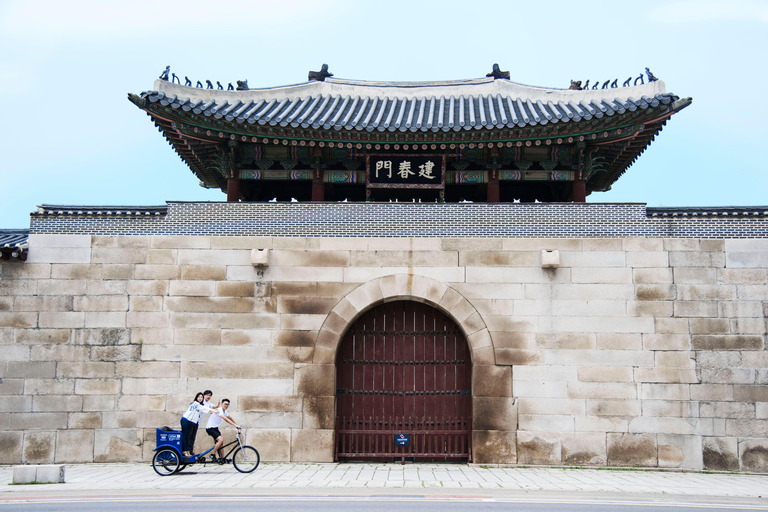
(579, 191)
(233, 190)
(318, 189)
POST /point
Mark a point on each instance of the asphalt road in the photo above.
(383, 503)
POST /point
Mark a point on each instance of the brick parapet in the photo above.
(398, 220)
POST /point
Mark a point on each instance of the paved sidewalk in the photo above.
(377, 477)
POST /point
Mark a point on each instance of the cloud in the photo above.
(693, 11)
(85, 19)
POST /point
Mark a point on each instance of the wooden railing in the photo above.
(429, 438)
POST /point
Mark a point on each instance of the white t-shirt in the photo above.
(194, 412)
(216, 419)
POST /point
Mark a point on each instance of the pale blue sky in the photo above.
(70, 136)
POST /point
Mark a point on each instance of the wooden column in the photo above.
(493, 186)
(233, 190)
(318, 188)
(579, 191)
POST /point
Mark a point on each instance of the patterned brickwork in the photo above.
(550, 220)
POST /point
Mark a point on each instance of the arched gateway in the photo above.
(403, 386)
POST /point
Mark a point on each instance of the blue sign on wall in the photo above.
(402, 439)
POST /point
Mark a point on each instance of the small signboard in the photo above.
(402, 439)
(405, 171)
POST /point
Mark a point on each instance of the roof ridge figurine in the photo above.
(319, 76)
(497, 73)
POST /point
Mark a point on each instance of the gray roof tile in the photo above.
(437, 106)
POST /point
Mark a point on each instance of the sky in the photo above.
(70, 136)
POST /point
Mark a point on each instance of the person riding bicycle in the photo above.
(189, 423)
(212, 428)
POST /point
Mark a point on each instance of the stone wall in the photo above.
(633, 352)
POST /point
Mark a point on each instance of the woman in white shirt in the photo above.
(189, 422)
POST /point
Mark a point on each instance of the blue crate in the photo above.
(171, 439)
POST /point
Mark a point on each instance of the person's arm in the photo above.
(228, 419)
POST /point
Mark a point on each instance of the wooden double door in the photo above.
(403, 387)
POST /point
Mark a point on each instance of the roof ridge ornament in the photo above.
(497, 73)
(319, 76)
(576, 84)
(164, 74)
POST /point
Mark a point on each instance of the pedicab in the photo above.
(168, 459)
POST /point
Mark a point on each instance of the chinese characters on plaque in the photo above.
(405, 171)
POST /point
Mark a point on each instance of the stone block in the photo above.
(720, 453)
(632, 450)
(35, 303)
(652, 276)
(697, 259)
(24, 475)
(655, 292)
(38, 447)
(494, 446)
(748, 325)
(728, 375)
(685, 308)
(613, 407)
(672, 325)
(114, 319)
(752, 292)
(33, 370)
(315, 380)
(179, 242)
(545, 373)
(493, 413)
(10, 447)
(667, 342)
(750, 393)
(87, 370)
(57, 403)
(599, 358)
(680, 451)
(85, 420)
(38, 420)
(654, 308)
(605, 374)
(491, 381)
(14, 403)
(728, 342)
(118, 271)
(155, 272)
(199, 336)
(273, 445)
(237, 370)
(58, 320)
(699, 276)
(649, 259)
(539, 448)
(670, 408)
(541, 389)
(99, 403)
(121, 353)
(42, 336)
(319, 412)
(157, 288)
(608, 324)
(310, 445)
(516, 357)
(569, 340)
(741, 276)
(97, 386)
(583, 449)
(147, 319)
(727, 410)
(49, 386)
(546, 422)
(117, 445)
(574, 407)
(302, 322)
(536, 244)
(717, 359)
(101, 303)
(508, 275)
(19, 287)
(24, 320)
(666, 375)
(737, 427)
(695, 292)
(618, 341)
(27, 271)
(712, 392)
(601, 390)
(753, 454)
(663, 425)
(664, 391)
(674, 359)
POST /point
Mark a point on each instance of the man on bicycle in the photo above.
(212, 428)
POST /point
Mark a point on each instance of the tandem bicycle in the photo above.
(168, 459)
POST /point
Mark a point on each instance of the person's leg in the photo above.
(184, 436)
(219, 444)
(192, 436)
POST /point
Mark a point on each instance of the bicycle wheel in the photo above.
(246, 459)
(166, 462)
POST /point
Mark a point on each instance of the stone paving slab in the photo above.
(337, 477)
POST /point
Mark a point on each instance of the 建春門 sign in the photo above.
(405, 171)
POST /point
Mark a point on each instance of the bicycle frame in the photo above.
(201, 456)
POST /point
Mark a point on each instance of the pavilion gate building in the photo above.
(401, 271)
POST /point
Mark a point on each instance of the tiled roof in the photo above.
(10, 238)
(13, 244)
(428, 106)
(53, 209)
(715, 211)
